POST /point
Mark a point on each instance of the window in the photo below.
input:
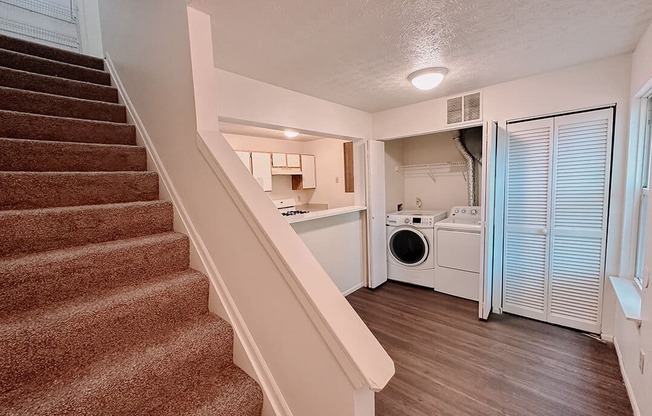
(644, 195)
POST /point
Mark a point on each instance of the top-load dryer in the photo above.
(411, 246)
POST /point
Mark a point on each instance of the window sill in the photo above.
(629, 298)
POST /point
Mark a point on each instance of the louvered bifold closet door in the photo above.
(580, 198)
(525, 287)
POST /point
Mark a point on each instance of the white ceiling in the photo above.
(359, 52)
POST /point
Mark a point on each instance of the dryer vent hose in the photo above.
(471, 171)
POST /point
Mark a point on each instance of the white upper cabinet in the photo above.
(308, 171)
(279, 160)
(293, 161)
(261, 164)
(245, 157)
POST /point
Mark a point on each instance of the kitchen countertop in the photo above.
(324, 213)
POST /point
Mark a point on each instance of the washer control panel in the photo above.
(416, 221)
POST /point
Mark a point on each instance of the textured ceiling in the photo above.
(359, 52)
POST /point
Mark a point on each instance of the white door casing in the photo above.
(377, 251)
(487, 218)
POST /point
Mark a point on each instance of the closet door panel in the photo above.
(580, 201)
(529, 146)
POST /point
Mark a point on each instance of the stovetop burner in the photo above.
(295, 212)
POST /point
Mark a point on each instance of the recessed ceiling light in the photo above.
(290, 133)
(427, 78)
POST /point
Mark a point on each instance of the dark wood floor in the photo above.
(450, 363)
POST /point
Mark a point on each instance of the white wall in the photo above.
(589, 85)
(631, 339)
(301, 325)
(338, 243)
(246, 100)
(329, 166)
(394, 181)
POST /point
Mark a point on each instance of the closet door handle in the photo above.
(543, 231)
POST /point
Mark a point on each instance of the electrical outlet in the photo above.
(298, 198)
(641, 361)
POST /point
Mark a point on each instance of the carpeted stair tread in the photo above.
(30, 63)
(29, 231)
(230, 393)
(19, 125)
(100, 313)
(30, 81)
(42, 346)
(45, 156)
(13, 99)
(56, 54)
(36, 280)
(30, 190)
(143, 380)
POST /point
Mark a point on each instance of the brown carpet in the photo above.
(100, 313)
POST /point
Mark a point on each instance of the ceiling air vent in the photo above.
(454, 108)
(464, 108)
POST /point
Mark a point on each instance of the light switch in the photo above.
(337, 179)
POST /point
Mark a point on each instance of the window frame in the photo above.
(645, 163)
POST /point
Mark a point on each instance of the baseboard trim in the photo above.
(353, 289)
(628, 385)
(263, 374)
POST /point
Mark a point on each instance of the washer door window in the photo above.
(408, 246)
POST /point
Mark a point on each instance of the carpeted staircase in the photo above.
(100, 313)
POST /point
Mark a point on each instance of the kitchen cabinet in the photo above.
(307, 179)
(293, 160)
(261, 168)
(279, 160)
(245, 157)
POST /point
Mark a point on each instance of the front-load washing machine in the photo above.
(411, 246)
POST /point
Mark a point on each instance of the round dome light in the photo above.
(427, 78)
(290, 133)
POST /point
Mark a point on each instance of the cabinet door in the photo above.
(261, 164)
(294, 161)
(245, 157)
(308, 170)
(279, 160)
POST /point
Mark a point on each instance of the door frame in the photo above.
(500, 201)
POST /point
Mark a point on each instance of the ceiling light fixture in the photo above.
(427, 78)
(290, 133)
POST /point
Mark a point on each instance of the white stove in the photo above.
(287, 207)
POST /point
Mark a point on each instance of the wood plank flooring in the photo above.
(449, 363)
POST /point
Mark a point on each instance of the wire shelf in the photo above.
(38, 33)
(433, 170)
(46, 9)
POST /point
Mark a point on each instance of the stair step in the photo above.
(231, 392)
(24, 62)
(31, 190)
(47, 278)
(42, 347)
(31, 231)
(12, 99)
(15, 78)
(18, 125)
(55, 54)
(184, 370)
(43, 156)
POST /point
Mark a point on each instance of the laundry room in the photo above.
(430, 172)
(432, 193)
